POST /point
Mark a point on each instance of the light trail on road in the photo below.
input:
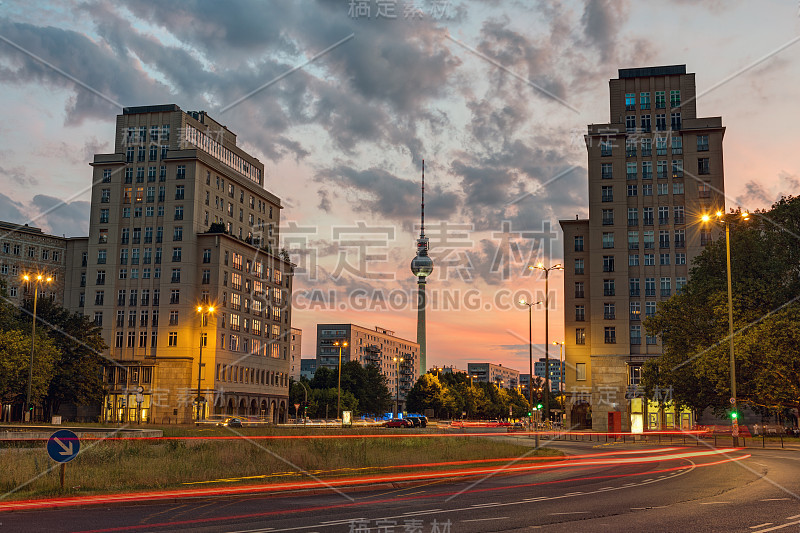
(252, 489)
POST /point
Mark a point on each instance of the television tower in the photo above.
(422, 266)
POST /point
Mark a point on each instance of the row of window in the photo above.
(632, 172)
(660, 100)
(241, 374)
(648, 214)
(646, 124)
(156, 133)
(661, 188)
(632, 144)
(32, 252)
(649, 237)
(609, 337)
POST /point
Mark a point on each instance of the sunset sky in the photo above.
(344, 104)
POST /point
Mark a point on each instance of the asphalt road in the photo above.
(651, 489)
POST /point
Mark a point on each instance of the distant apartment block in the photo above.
(502, 376)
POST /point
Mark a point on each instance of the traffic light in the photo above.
(529, 413)
(734, 415)
(539, 406)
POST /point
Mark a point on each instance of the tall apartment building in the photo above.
(654, 169)
(378, 346)
(295, 348)
(25, 250)
(180, 219)
(502, 376)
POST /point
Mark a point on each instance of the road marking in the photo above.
(573, 493)
(648, 508)
(570, 512)
(775, 499)
(646, 480)
(714, 503)
(484, 504)
(422, 512)
(263, 530)
(779, 527)
(792, 517)
(762, 525)
(484, 519)
(342, 521)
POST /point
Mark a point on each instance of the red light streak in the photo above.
(343, 482)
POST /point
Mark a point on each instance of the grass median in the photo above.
(192, 457)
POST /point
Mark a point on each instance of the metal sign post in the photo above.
(63, 446)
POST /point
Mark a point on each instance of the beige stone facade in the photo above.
(179, 219)
(25, 250)
(654, 169)
(295, 349)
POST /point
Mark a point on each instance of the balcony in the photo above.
(579, 294)
(666, 292)
(633, 246)
(649, 292)
(609, 292)
(609, 316)
(635, 292)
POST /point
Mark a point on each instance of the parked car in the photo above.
(398, 423)
(418, 420)
(231, 421)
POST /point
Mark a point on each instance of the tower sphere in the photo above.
(422, 266)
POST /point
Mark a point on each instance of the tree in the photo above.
(78, 367)
(693, 324)
(15, 360)
(427, 393)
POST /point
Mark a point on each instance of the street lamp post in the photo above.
(397, 360)
(546, 271)
(530, 347)
(37, 280)
(341, 344)
(734, 412)
(205, 312)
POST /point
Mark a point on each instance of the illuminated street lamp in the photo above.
(205, 312)
(721, 217)
(397, 360)
(37, 280)
(341, 344)
(546, 270)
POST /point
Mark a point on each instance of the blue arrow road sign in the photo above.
(63, 446)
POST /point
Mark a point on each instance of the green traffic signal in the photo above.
(529, 413)
(539, 406)
(734, 415)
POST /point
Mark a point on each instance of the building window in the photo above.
(644, 100)
(647, 147)
(661, 100)
(666, 287)
(664, 259)
(605, 148)
(633, 190)
(647, 189)
(610, 336)
(179, 192)
(630, 101)
(608, 263)
(703, 166)
(636, 310)
(661, 122)
(647, 170)
(680, 258)
(580, 336)
(607, 193)
(609, 311)
(633, 260)
(675, 121)
(663, 238)
(579, 289)
(649, 259)
(173, 338)
(633, 216)
(579, 243)
(675, 98)
(636, 334)
(702, 143)
(579, 266)
(178, 212)
(680, 283)
(633, 240)
(645, 121)
(609, 287)
(630, 147)
(608, 240)
(176, 275)
(649, 288)
(677, 187)
(630, 123)
(661, 170)
(580, 313)
(608, 217)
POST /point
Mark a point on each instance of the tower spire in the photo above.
(422, 210)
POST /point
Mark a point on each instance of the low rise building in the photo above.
(500, 375)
